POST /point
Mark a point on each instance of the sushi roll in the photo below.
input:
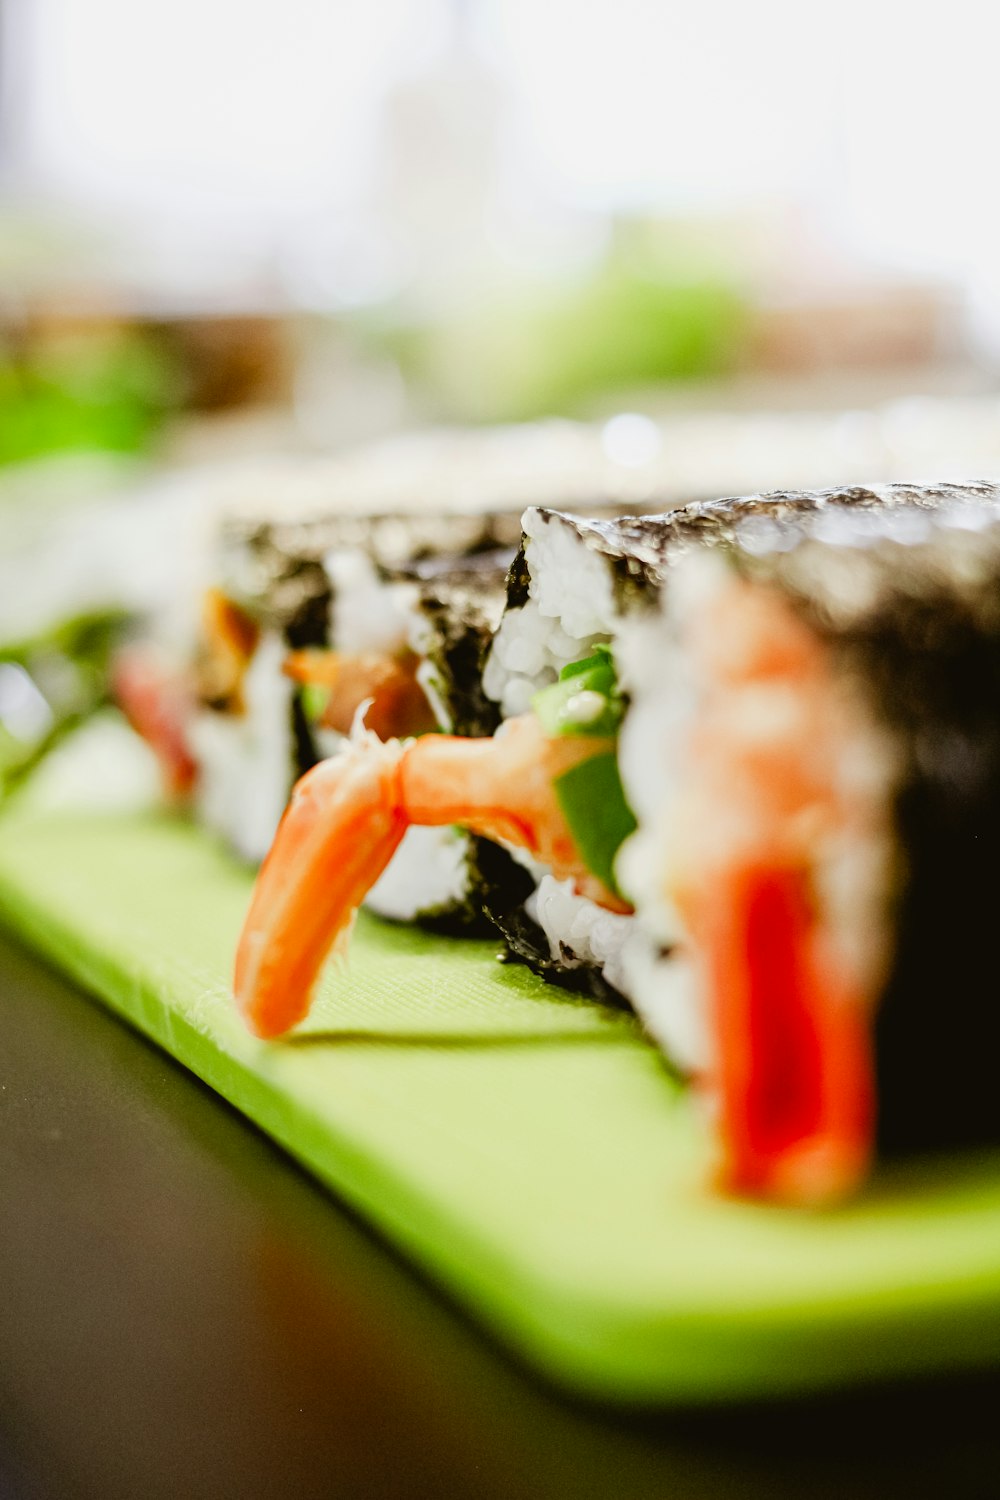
(548, 785)
(304, 561)
(582, 585)
(813, 753)
(307, 627)
(373, 581)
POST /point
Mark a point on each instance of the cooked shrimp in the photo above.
(767, 810)
(229, 639)
(388, 681)
(345, 820)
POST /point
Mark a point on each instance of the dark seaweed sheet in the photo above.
(490, 869)
(526, 943)
(275, 569)
(462, 600)
(640, 550)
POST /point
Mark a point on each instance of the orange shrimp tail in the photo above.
(503, 789)
(340, 830)
(345, 821)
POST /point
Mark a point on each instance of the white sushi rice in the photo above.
(245, 761)
(430, 869)
(570, 607)
(368, 612)
(569, 610)
(579, 931)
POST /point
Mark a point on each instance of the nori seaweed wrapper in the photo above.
(461, 600)
(489, 869)
(641, 549)
(275, 570)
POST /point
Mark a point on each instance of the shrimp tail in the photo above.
(342, 826)
(345, 821)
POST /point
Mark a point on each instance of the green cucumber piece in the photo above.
(600, 657)
(594, 806)
(585, 700)
(314, 698)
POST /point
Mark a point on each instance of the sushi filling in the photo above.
(256, 711)
(270, 709)
(346, 819)
(567, 617)
(778, 860)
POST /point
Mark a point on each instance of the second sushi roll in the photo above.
(304, 624)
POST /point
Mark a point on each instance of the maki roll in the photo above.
(307, 627)
(373, 577)
(813, 752)
(552, 785)
(581, 591)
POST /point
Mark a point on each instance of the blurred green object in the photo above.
(51, 684)
(101, 388)
(642, 318)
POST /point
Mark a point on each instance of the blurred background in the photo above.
(225, 223)
(741, 247)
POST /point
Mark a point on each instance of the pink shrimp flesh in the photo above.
(345, 820)
(789, 1005)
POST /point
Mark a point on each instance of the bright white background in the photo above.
(228, 134)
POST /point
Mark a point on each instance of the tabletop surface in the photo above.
(184, 1313)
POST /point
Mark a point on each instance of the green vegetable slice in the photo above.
(585, 700)
(599, 660)
(593, 803)
(314, 698)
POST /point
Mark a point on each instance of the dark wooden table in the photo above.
(184, 1314)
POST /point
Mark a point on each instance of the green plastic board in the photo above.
(527, 1149)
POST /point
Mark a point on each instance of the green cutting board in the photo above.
(528, 1150)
